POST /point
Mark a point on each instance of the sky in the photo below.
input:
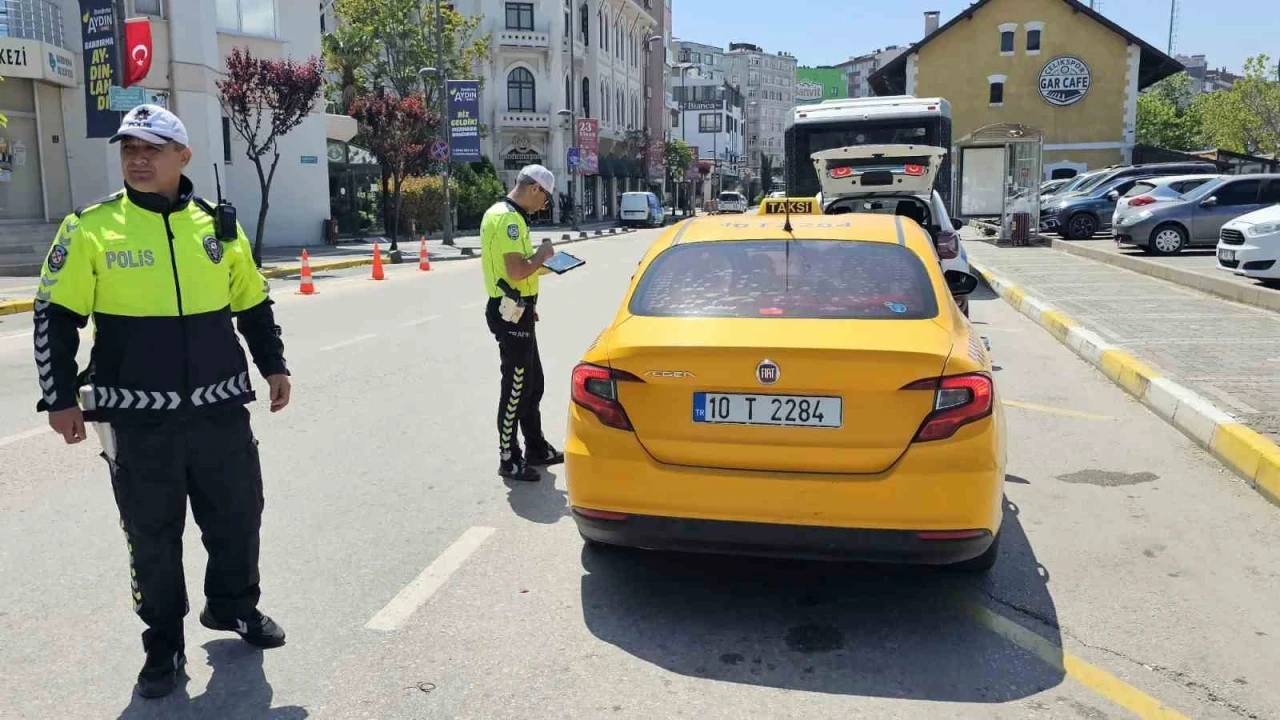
(825, 32)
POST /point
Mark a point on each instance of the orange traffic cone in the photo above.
(424, 262)
(308, 287)
(377, 264)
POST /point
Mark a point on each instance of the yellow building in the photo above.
(1054, 65)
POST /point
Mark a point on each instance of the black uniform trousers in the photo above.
(213, 459)
(520, 399)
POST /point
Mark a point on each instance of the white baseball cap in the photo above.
(542, 176)
(153, 124)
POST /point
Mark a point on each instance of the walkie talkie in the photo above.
(224, 215)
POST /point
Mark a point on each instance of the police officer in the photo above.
(511, 270)
(166, 382)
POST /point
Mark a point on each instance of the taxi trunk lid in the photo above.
(864, 363)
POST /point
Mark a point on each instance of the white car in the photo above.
(1250, 245)
(733, 202)
(895, 179)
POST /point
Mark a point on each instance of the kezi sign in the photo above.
(1065, 80)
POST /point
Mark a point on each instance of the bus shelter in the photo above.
(1000, 167)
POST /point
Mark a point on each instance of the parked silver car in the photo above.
(1148, 192)
(1165, 228)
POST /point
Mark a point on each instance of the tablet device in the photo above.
(563, 262)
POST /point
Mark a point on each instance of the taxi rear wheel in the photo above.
(984, 562)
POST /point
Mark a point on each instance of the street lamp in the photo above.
(573, 171)
(441, 75)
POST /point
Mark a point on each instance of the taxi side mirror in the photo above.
(960, 283)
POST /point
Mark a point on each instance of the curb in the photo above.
(1256, 296)
(13, 307)
(1250, 454)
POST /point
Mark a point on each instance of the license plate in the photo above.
(1227, 255)
(775, 410)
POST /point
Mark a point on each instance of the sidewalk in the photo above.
(1226, 352)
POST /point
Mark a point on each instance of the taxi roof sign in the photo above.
(794, 206)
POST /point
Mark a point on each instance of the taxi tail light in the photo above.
(1141, 200)
(957, 401)
(596, 389)
(948, 245)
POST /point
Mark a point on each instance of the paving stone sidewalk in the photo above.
(1227, 352)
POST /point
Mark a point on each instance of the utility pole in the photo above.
(573, 121)
(442, 79)
(1173, 25)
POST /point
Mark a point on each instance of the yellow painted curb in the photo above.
(1127, 371)
(1244, 449)
(13, 307)
(1267, 481)
(1014, 296)
(1057, 323)
(279, 272)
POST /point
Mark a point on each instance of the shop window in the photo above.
(1007, 33)
(996, 92)
(1034, 31)
(520, 16)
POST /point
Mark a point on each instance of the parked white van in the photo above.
(734, 202)
(641, 208)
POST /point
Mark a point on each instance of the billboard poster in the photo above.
(657, 159)
(589, 145)
(464, 120)
(815, 84)
(98, 28)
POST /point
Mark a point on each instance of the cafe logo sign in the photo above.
(1065, 80)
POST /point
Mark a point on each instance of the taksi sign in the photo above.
(1065, 80)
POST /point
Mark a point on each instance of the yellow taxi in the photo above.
(794, 385)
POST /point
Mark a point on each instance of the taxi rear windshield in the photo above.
(829, 279)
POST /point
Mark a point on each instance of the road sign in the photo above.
(440, 150)
(126, 99)
(310, 160)
(574, 156)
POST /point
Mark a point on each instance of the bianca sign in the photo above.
(1065, 80)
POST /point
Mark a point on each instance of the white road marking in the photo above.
(345, 343)
(412, 597)
(15, 336)
(11, 439)
(473, 306)
(421, 321)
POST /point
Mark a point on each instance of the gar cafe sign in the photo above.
(1065, 80)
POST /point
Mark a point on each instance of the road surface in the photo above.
(1137, 576)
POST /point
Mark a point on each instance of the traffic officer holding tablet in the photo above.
(511, 270)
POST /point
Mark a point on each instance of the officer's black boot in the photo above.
(544, 456)
(517, 469)
(256, 629)
(165, 660)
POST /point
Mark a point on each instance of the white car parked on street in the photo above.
(1250, 245)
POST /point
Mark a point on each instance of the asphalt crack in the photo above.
(1197, 688)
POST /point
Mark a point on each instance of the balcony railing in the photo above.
(32, 20)
(524, 119)
(523, 38)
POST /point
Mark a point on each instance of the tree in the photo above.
(678, 157)
(1171, 116)
(1246, 118)
(279, 92)
(397, 132)
(766, 174)
(348, 52)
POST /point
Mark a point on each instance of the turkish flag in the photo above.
(137, 38)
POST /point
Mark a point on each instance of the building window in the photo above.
(604, 33)
(675, 119)
(1034, 31)
(586, 97)
(152, 8)
(520, 91)
(996, 92)
(568, 93)
(252, 17)
(520, 16)
(710, 123)
(584, 22)
(1007, 32)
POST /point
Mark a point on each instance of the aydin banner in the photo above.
(464, 120)
(97, 28)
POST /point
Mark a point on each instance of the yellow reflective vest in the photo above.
(162, 291)
(505, 229)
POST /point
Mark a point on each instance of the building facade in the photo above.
(710, 120)
(61, 168)
(860, 68)
(537, 86)
(709, 60)
(1054, 65)
(768, 83)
